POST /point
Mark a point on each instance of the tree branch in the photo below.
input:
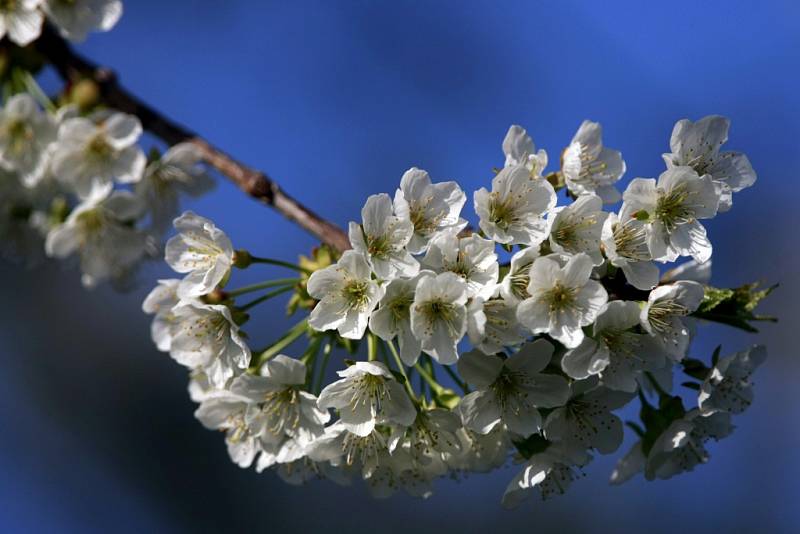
(73, 67)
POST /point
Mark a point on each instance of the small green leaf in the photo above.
(734, 307)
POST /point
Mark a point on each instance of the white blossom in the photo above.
(98, 230)
(492, 325)
(551, 471)
(662, 315)
(480, 453)
(423, 447)
(285, 418)
(519, 150)
(563, 299)
(613, 351)
(728, 387)
(672, 208)
(177, 171)
(202, 251)
(513, 212)
(223, 410)
(205, 337)
(392, 319)
(625, 246)
(88, 157)
(514, 287)
(591, 168)
(439, 315)
(629, 465)
(347, 295)
(429, 439)
(698, 144)
(585, 421)
(160, 302)
(76, 18)
(382, 238)
(304, 470)
(510, 390)
(367, 395)
(681, 446)
(431, 208)
(21, 21)
(577, 227)
(26, 134)
(346, 450)
(472, 258)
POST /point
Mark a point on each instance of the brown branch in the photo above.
(73, 67)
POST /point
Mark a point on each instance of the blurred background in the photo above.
(336, 100)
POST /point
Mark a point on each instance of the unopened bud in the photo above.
(217, 296)
(242, 259)
(85, 93)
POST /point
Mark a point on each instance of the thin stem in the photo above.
(402, 369)
(266, 297)
(423, 387)
(434, 385)
(326, 354)
(460, 383)
(311, 351)
(262, 285)
(287, 339)
(36, 91)
(372, 347)
(279, 263)
(383, 353)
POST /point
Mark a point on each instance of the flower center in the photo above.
(91, 221)
(621, 343)
(362, 449)
(567, 233)
(423, 224)
(561, 297)
(99, 149)
(356, 293)
(238, 430)
(671, 208)
(502, 212)
(662, 311)
(379, 246)
(436, 310)
(20, 135)
(282, 410)
(461, 266)
(631, 242)
(401, 307)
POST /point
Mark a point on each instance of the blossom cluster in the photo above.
(79, 184)
(549, 318)
(22, 20)
(74, 178)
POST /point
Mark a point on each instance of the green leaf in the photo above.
(734, 307)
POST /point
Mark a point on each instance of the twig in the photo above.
(73, 67)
